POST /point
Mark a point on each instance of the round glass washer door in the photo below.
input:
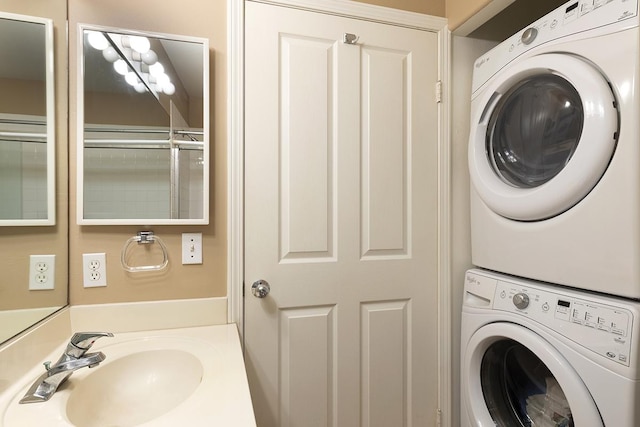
(542, 136)
(514, 377)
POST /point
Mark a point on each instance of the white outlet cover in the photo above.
(42, 272)
(94, 270)
(192, 248)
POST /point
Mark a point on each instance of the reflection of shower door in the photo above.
(341, 219)
(143, 173)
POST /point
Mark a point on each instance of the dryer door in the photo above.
(513, 377)
(542, 135)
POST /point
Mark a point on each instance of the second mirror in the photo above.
(143, 106)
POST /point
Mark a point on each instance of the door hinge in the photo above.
(439, 91)
(439, 417)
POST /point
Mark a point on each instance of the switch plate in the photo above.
(42, 272)
(192, 248)
(94, 270)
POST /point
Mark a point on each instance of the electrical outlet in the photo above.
(42, 270)
(192, 248)
(94, 270)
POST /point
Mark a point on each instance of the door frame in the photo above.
(235, 161)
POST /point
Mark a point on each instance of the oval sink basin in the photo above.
(134, 389)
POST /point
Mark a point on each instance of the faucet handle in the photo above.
(82, 341)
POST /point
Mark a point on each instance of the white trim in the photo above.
(366, 12)
(235, 10)
(50, 116)
(235, 162)
(444, 234)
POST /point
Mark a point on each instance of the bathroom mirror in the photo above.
(33, 49)
(143, 118)
(27, 121)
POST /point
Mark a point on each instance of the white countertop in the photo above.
(221, 399)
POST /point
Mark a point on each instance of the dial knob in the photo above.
(521, 300)
(529, 35)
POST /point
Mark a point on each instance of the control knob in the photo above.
(529, 35)
(521, 300)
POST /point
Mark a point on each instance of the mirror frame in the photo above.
(81, 131)
(51, 118)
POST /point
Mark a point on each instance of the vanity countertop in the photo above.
(221, 398)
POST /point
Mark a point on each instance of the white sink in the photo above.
(188, 376)
(153, 382)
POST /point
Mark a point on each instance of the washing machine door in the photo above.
(513, 377)
(542, 135)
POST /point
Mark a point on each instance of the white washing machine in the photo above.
(538, 355)
(554, 150)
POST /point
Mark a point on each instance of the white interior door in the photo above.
(341, 220)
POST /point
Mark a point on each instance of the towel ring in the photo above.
(144, 238)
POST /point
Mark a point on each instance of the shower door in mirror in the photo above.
(27, 128)
(143, 114)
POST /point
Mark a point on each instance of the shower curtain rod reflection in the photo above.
(23, 137)
(162, 131)
(143, 144)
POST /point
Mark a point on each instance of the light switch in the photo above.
(192, 248)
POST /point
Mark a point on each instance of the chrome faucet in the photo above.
(74, 357)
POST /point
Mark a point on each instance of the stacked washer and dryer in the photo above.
(551, 316)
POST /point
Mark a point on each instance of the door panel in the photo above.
(306, 169)
(384, 151)
(341, 220)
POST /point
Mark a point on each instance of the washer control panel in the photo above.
(604, 325)
(600, 327)
(571, 18)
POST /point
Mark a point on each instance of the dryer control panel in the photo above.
(578, 16)
(603, 325)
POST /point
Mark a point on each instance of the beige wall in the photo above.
(23, 97)
(191, 18)
(17, 243)
(428, 7)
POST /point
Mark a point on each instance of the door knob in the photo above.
(260, 288)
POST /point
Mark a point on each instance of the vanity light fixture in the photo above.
(133, 58)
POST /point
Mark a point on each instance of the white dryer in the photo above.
(554, 150)
(538, 355)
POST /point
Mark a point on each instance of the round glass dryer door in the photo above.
(512, 377)
(542, 136)
(534, 130)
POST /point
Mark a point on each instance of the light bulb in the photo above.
(121, 67)
(124, 40)
(139, 44)
(97, 40)
(169, 88)
(127, 53)
(110, 54)
(140, 87)
(162, 79)
(149, 57)
(132, 78)
(156, 69)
